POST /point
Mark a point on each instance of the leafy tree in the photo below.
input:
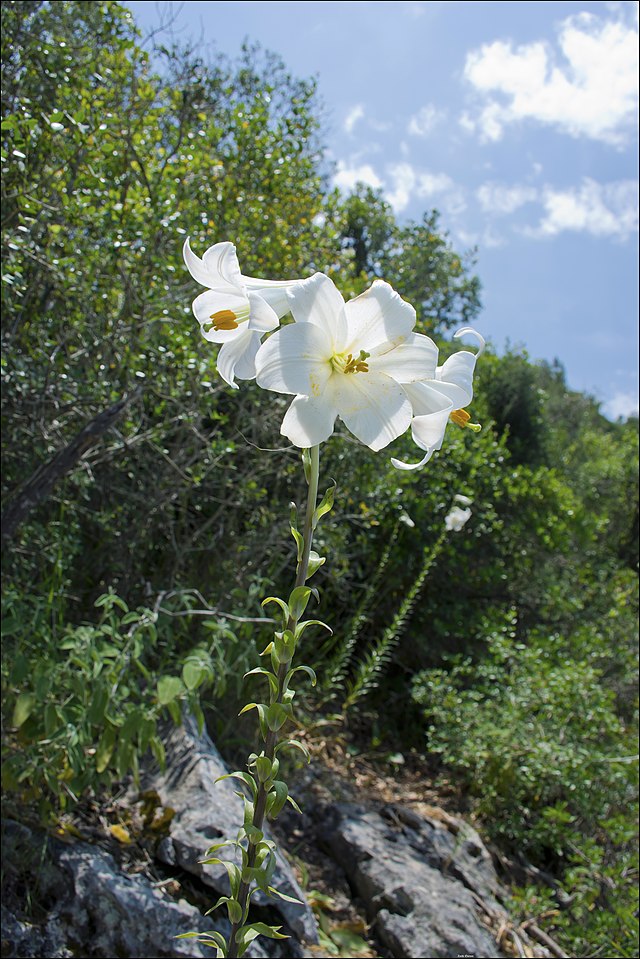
(416, 258)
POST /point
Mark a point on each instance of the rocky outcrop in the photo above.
(94, 908)
(420, 883)
(424, 879)
(208, 811)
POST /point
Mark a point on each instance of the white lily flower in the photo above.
(347, 360)
(235, 310)
(456, 519)
(441, 398)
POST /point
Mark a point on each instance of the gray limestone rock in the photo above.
(27, 940)
(418, 880)
(208, 812)
(114, 914)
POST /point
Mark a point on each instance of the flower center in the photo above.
(345, 363)
(461, 418)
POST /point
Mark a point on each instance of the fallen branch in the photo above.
(537, 933)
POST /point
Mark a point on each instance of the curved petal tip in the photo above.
(469, 330)
(399, 465)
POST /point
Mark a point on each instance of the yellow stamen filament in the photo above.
(224, 320)
(461, 418)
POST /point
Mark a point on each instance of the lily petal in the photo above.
(309, 420)
(428, 433)
(274, 292)
(237, 357)
(218, 269)
(399, 465)
(378, 316)
(221, 262)
(428, 430)
(414, 359)
(295, 359)
(318, 301)
(469, 330)
(428, 398)
(373, 406)
(263, 318)
(455, 378)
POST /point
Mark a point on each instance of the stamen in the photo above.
(358, 365)
(224, 320)
(461, 418)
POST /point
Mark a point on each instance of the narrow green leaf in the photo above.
(300, 628)
(242, 777)
(325, 506)
(301, 669)
(281, 895)
(262, 929)
(235, 910)
(277, 798)
(273, 680)
(105, 748)
(299, 538)
(281, 603)
(293, 745)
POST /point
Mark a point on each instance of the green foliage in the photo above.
(85, 702)
(514, 403)
(537, 736)
(416, 258)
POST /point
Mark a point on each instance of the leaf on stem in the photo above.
(315, 562)
(326, 505)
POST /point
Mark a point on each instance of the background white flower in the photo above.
(456, 518)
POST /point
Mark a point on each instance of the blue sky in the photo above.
(518, 121)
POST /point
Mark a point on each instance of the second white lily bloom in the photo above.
(346, 359)
(235, 310)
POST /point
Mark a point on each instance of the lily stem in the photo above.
(271, 740)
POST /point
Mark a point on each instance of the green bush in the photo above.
(83, 704)
(543, 737)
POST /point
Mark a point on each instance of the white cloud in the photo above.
(355, 113)
(589, 88)
(500, 199)
(485, 239)
(424, 121)
(452, 199)
(621, 404)
(431, 183)
(608, 210)
(404, 181)
(407, 182)
(347, 176)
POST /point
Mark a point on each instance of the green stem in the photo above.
(272, 737)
